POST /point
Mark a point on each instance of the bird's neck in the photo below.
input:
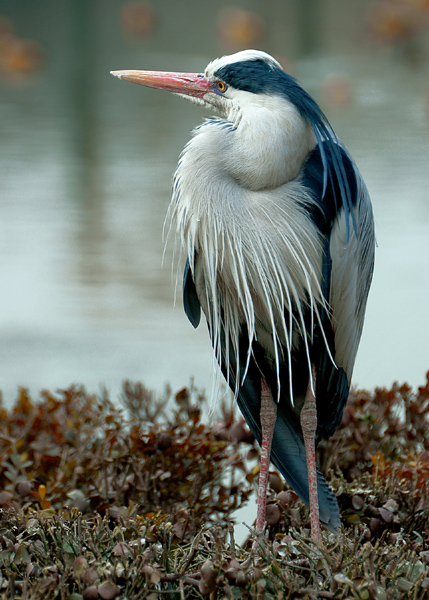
(268, 143)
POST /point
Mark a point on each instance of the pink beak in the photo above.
(190, 84)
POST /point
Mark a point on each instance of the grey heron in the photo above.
(277, 226)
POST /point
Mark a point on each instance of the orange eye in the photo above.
(221, 86)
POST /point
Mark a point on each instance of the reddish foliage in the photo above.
(159, 460)
(72, 448)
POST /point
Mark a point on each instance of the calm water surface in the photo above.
(85, 184)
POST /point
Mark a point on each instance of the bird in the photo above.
(277, 227)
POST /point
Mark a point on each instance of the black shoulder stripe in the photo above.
(327, 206)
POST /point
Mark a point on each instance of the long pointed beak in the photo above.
(190, 84)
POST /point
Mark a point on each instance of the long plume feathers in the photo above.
(254, 261)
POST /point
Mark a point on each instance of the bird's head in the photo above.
(225, 84)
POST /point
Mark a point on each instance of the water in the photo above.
(86, 165)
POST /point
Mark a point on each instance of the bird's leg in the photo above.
(309, 425)
(268, 420)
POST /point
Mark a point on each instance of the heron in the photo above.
(277, 227)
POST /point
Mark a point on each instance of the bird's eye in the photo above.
(221, 86)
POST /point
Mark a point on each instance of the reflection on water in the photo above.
(85, 184)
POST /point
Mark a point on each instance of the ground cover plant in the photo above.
(136, 499)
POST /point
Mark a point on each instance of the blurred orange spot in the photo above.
(421, 4)
(42, 491)
(137, 18)
(395, 21)
(18, 57)
(240, 28)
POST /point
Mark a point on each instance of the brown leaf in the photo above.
(374, 524)
(252, 454)
(24, 488)
(182, 397)
(386, 515)
(204, 588)
(391, 505)
(241, 579)
(179, 528)
(379, 461)
(5, 498)
(80, 565)
(231, 574)
(276, 482)
(284, 498)
(357, 502)
(108, 590)
(121, 549)
(90, 593)
(209, 573)
(272, 514)
(90, 576)
(113, 512)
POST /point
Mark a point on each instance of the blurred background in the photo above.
(86, 163)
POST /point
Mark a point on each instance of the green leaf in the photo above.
(379, 593)
(403, 585)
(341, 578)
(66, 547)
(22, 556)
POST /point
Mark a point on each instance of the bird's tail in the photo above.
(288, 455)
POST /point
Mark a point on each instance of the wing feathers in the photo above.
(191, 304)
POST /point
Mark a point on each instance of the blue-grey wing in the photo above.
(348, 261)
(191, 304)
(351, 274)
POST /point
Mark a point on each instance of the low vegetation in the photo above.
(136, 499)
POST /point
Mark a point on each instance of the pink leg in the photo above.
(309, 426)
(268, 420)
